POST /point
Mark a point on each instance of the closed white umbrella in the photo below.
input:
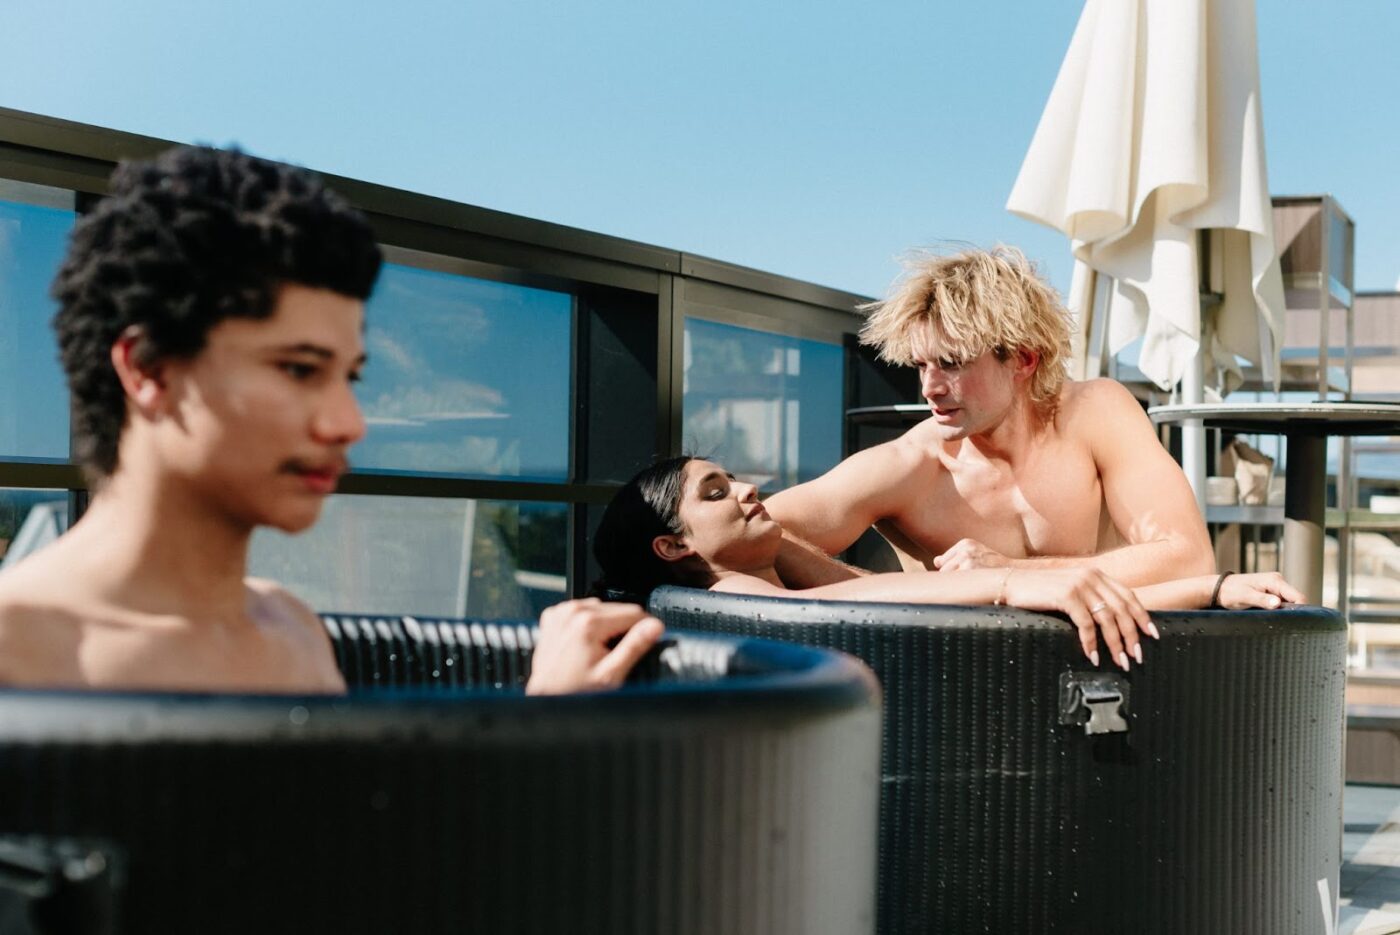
(1154, 132)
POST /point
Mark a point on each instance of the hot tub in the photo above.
(736, 791)
(1025, 791)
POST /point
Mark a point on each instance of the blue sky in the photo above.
(813, 139)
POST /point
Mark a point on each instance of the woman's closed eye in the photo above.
(297, 370)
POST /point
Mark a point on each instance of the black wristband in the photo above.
(1215, 592)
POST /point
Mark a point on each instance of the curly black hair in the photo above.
(184, 241)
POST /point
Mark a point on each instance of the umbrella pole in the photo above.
(1086, 348)
(1193, 433)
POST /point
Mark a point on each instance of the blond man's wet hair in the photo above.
(973, 302)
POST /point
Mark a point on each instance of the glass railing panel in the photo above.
(34, 225)
(466, 377)
(29, 520)
(767, 406)
(423, 556)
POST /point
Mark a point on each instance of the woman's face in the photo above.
(724, 522)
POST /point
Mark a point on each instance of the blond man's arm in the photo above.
(825, 516)
(802, 565)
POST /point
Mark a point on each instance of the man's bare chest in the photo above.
(1036, 511)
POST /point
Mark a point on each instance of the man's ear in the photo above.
(1025, 361)
(671, 548)
(141, 375)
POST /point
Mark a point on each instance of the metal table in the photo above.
(1305, 428)
(902, 415)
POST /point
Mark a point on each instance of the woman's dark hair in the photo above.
(647, 506)
(184, 241)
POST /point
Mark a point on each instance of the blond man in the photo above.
(1016, 466)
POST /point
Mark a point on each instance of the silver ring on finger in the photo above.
(1097, 607)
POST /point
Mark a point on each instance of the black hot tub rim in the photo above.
(1217, 809)
(743, 800)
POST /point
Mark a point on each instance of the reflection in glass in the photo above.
(424, 556)
(1373, 562)
(466, 376)
(33, 237)
(766, 406)
(30, 520)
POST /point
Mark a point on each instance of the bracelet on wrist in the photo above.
(1001, 591)
(1215, 592)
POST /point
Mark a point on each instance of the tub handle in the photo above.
(54, 887)
(1097, 700)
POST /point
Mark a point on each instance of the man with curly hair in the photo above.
(211, 316)
(1016, 466)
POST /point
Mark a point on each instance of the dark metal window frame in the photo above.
(630, 304)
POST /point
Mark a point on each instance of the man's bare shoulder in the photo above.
(59, 574)
(273, 603)
(274, 607)
(1079, 394)
(38, 588)
(914, 451)
(21, 614)
(1095, 404)
(40, 632)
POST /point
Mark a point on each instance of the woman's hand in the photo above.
(575, 652)
(1266, 589)
(1093, 601)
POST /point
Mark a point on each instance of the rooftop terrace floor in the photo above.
(1370, 885)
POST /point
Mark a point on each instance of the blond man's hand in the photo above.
(969, 554)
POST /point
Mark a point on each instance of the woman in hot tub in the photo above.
(687, 521)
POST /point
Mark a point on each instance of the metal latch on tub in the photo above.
(1098, 700)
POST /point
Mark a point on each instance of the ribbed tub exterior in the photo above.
(1218, 811)
(743, 804)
